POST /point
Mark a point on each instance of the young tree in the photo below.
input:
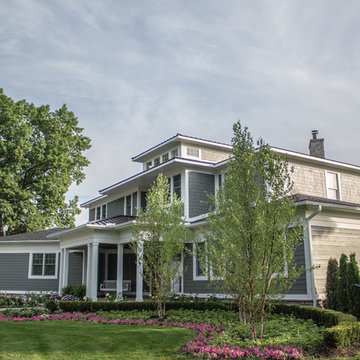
(41, 155)
(341, 290)
(331, 282)
(161, 229)
(353, 292)
(251, 236)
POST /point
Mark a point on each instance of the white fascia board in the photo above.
(327, 205)
(92, 201)
(29, 241)
(180, 137)
(68, 231)
(156, 168)
(315, 159)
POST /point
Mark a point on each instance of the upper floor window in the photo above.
(177, 185)
(165, 157)
(128, 205)
(43, 265)
(157, 161)
(332, 185)
(98, 213)
(103, 212)
(175, 153)
(148, 165)
(193, 152)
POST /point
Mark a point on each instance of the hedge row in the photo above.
(321, 317)
(341, 329)
(93, 306)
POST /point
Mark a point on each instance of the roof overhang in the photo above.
(176, 139)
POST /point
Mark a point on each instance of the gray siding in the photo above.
(191, 286)
(200, 186)
(14, 275)
(75, 268)
(116, 207)
(204, 286)
(300, 285)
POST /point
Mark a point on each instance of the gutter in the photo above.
(312, 278)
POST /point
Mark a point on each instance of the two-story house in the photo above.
(326, 194)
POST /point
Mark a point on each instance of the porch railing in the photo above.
(110, 285)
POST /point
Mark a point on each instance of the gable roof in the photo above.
(31, 236)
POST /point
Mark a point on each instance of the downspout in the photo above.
(312, 278)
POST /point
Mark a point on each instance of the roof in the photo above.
(178, 137)
(34, 235)
(116, 220)
(316, 199)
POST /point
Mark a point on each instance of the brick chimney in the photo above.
(316, 146)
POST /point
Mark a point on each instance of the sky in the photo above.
(137, 72)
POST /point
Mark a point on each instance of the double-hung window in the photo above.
(198, 269)
(43, 265)
(332, 185)
(177, 185)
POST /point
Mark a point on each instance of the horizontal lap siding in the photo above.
(331, 242)
(200, 186)
(299, 286)
(14, 275)
(75, 268)
(115, 208)
(190, 285)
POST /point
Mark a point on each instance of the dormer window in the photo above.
(148, 165)
(157, 161)
(193, 152)
(174, 153)
(332, 185)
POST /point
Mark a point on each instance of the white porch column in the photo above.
(119, 276)
(94, 271)
(61, 261)
(66, 268)
(88, 270)
(139, 272)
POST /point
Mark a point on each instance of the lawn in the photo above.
(72, 340)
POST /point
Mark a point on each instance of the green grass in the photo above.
(71, 340)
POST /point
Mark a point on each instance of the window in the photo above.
(128, 205)
(157, 161)
(134, 203)
(165, 157)
(174, 153)
(43, 265)
(193, 152)
(198, 270)
(332, 183)
(98, 213)
(148, 165)
(177, 185)
(103, 215)
(220, 179)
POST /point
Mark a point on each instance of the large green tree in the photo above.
(161, 233)
(252, 232)
(352, 281)
(41, 155)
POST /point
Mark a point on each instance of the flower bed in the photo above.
(198, 347)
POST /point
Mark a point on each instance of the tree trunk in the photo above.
(262, 312)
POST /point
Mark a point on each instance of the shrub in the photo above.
(353, 294)
(78, 291)
(341, 289)
(344, 334)
(331, 281)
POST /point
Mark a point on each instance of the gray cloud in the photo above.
(137, 72)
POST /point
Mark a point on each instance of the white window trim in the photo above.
(338, 183)
(43, 277)
(195, 276)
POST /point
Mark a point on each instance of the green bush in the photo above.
(344, 334)
(79, 291)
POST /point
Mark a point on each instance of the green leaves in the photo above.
(41, 155)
